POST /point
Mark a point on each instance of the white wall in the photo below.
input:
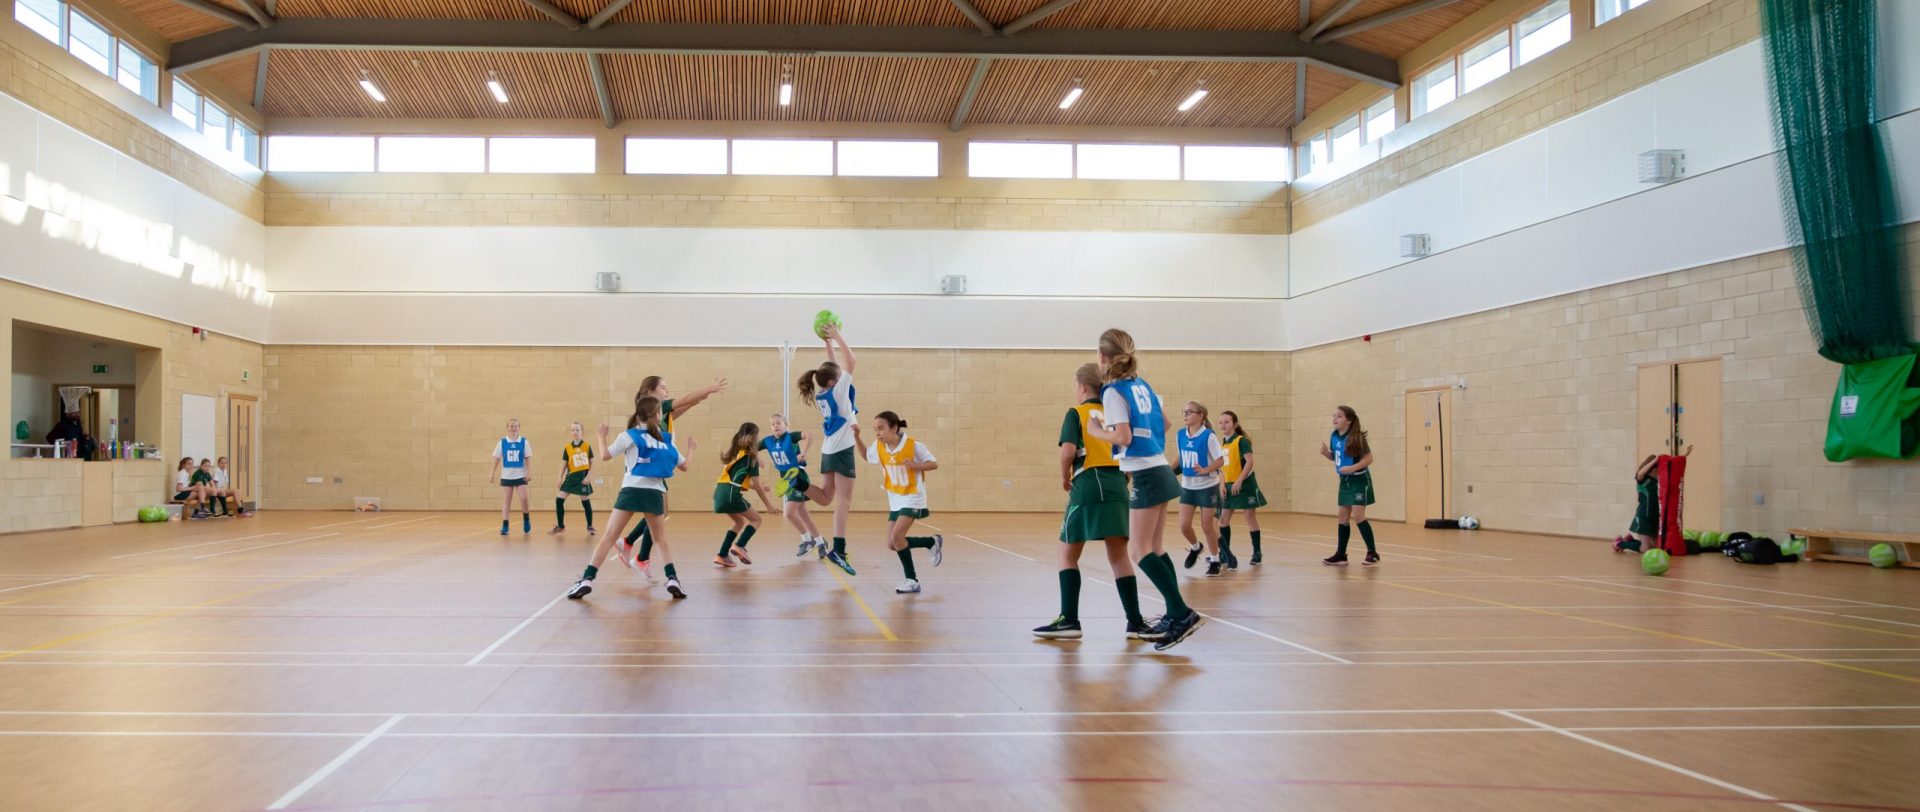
(80, 218)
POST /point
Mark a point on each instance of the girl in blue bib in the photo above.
(650, 459)
(510, 457)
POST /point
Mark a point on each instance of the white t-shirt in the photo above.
(623, 446)
(842, 394)
(906, 501)
(180, 480)
(220, 478)
(518, 468)
(1113, 404)
(1214, 451)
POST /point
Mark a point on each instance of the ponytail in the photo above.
(1356, 437)
(1116, 347)
(646, 412)
(747, 430)
(818, 380)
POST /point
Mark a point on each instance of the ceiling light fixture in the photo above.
(373, 90)
(498, 90)
(1199, 92)
(786, 85)
(1072, 95)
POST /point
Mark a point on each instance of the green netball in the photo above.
(1655, 562)
(152, 513)
(1882, 556)
(823, 320)
(1691, 535)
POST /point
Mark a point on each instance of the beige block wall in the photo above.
(774, 211)
(33, 71)
(39, 495)
(416, 426)
(1545, 431)
(1712, 29)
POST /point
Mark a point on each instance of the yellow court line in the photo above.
(1658, 633)
(1622, 594)
(862, 603)
(182, 611)
(1849, 626)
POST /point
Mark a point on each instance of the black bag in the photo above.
(1756, 551)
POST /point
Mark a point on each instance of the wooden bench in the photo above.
(1829, 545)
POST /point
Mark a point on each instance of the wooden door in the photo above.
(1428, 457)
(240, 442)
(1697, 423)
(1655, 410)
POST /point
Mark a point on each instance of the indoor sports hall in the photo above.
(960, 404)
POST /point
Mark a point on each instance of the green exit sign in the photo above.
(102, 369)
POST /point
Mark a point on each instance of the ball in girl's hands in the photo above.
(823, 320)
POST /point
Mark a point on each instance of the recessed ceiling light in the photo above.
(786, 85)
(1072, 95)
(493, 86)
(1198, 94)
(373, 90)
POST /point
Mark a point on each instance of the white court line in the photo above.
(342, 524)
(516, 630)
(966, 734)
(979, 542)
(1646, 759)
(945, 715)
(190, 546)
(337, 762)
(1793, 594)
(262, 546)
(397, 524)
(1322, 546)
(870, 654)
(46, 583)
(1255, 632)
(1398, 546)
(1332, 661)
(1883, 620)
(1807, 609)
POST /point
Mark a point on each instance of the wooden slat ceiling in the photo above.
(744, 88)
(1141, 94)
(450, 85)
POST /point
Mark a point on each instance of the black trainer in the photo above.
(580, 589)
(1233, 561)
(1060, 629)
(1193, 555)
(1335, 560)
(673, 588)
(1255, 559)
(1140, 630)
(1178, 631)
(1213, 568)
(1371, 559)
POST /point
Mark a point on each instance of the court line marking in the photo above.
(1399, 545)
(1868, 629)
(397, 524)
(1772, 659)
(981, 543)
(261, 546)
(1657, 632)
(342, 524)
(337, 762)
(190, 546)
(1646, 759)
(1322, 546)
(1158, 599)
(1807, 609)
(382, 732)
(1793, 594)
(856, 654)
(862, 603)
(952, 715)
(516, 630)
(46, 583)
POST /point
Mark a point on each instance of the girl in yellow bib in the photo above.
(576, 464)
(1243, 490)
(904, 462)
(739, 470)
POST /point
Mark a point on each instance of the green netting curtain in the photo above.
(1836, 191)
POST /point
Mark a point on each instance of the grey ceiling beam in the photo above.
(1306, 13)
(558, 14)
(1299, 95)
(974, 16)
(601, 92)
(965, 106)
(1383, 18)
(222, 12)
(253, 10)
(1022, 22)
(260, 82)
(1328, 19)
(607, 13)
(273, 7)
(924, 42)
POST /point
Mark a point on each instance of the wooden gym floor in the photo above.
(420, 661)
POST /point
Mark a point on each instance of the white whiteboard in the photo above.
(196, 427)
